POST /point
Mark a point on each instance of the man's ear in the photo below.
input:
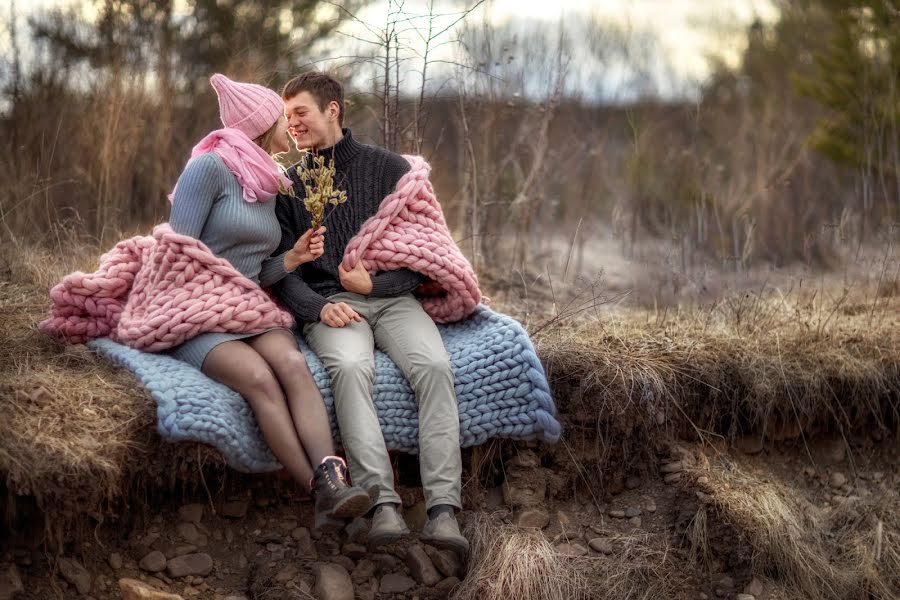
(334, 110)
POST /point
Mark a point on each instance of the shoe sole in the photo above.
(351, 507)
(385, 538)
(461, 549)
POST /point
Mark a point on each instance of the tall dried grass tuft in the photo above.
(849, 552)
(509, 562)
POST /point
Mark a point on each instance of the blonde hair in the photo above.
(265, 140)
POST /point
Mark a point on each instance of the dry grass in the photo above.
(776, 365)
(79, 435)
(508, 562)
(852, 551)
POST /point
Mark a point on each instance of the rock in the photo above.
(617, 514)
(837, 480)
(750, 444)
(235, 597)
(354, 551)
(416, 516)
(190, 534)
(132, 589)
(365, 569)
(632, 482)
(115, 561)
(305, 547)
(745, 597)
(632, 511)
(447, 584)
(672, 478)
(287, 573)
(634, 521)
(229, 535)
(650, 506)
(268, 537)
(755, 588)
(532, 518)
(368, 590)
(191, 513)
(190, 564)
(76, 574)
(601, 545)
(395, 583)
(11, 583)
(332, 582)
(329, 546)
(672, 467)
(564, 519)
(445, 561)
(571, 549)
(142, 546)
(181, 550)
(153, 562)
(384, 562)
(877, 476)
(357, 531)
(421, 567)
(525, 459)
(344, 561)
(236, 509)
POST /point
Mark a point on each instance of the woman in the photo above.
(225, 198)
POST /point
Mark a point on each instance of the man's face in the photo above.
(308, 125)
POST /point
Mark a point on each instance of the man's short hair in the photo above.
(321, 86)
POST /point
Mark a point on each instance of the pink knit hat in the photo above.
(247, 107)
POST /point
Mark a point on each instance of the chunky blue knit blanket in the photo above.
(500, 385)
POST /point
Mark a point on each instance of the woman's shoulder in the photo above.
(205, 165)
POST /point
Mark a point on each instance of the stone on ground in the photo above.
(332, 582)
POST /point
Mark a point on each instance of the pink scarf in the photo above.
(259, 175)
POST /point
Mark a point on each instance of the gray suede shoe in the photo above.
(387, 525)
(443, 532)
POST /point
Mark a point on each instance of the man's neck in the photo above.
(333, 138)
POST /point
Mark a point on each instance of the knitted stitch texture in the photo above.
(155, 292)
(409, 231)
(500, 386)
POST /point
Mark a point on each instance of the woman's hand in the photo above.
(308, 248)
(357, 281)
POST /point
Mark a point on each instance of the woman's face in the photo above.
(280, 142)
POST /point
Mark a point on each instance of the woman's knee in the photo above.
(260, 382)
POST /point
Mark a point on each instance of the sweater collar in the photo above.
(344, 151)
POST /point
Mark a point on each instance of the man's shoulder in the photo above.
(392, 161)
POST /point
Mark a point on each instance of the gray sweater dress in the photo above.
(208, 205)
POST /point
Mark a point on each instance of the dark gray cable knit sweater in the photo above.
(367, 174)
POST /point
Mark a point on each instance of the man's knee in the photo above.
(353, 366)
(432, 368)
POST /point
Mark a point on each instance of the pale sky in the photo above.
(687, 32)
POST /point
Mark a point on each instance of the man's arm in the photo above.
(299, 298)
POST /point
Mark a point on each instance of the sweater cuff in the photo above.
(272, 270)
(316, 303)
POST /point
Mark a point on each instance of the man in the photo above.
(344, 315)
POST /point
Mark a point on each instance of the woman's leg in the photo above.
(280, 351)
(335, 498)
(241, 368)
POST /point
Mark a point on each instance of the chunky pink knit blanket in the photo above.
(409, 231)
(155, 292)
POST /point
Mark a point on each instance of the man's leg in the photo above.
(408, 335)
(348, 354)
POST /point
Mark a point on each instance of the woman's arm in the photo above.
(198, 187)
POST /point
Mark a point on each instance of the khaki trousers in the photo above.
(400, 328)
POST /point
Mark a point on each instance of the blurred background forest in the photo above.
(561, 147)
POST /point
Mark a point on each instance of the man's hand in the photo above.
(308, 248)
(338, 314)
(357, 281)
